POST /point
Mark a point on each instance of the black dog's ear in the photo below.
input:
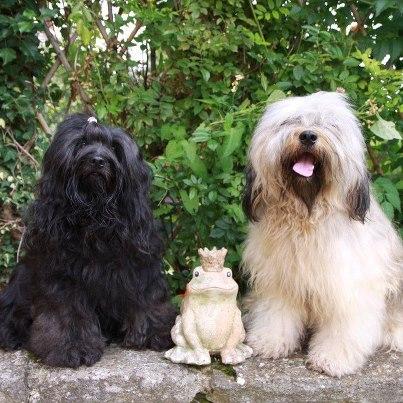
(358, 199)
(251, 194)
(135, 181)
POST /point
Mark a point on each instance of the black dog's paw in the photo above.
(74, 356)
(139, 341)
(91, 355)
(160, 342)
(10, 345)
(9, 342)
(134, 340)
(63, 358)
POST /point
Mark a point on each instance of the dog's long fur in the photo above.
(320, 254)
(92, 267)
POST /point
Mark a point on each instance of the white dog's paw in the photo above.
(272, 347)
(232, 357)
(394, 339)
(245, 350)
(331, 363)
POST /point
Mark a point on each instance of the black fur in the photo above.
(250, 195)
(92, 266)
(358, 200)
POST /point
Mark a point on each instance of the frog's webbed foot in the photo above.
(176, 354)
(188, 356)
(236, 355)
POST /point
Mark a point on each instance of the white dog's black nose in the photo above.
(98, 161)
(308, 138)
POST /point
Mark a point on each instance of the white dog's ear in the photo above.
(251, 195)
(358, 199)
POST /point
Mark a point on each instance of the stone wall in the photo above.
(125, 375)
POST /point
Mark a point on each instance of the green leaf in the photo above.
(384, 129)
(227, 164)
(399, 185)
(381, 5)
(394, 199)
(8, 55)
(298, 72)
(169, 132)
(192, 193)
(191, 204)
(212, 144)
(351, 62)
(388, 209)
(212, 195)
(25, 26)
(9, 155)
(173, 150)
(343, 75)
(30, 50)
(193, 160)
(201, 134)
(228, 121)
(385, 187)
(217, 233)
(263, 81)
(232, 140)
(276, 95)
(245, 103)
(84, 32)
(384, 183)
(166, 132)
(205, 74)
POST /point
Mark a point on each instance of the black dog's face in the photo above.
(93, 162)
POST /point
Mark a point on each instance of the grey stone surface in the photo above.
(121, 375)
(125, 375)
(288, 380)
(13, 373)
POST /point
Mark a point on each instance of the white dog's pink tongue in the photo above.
(304, 166)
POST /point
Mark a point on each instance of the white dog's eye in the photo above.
(290, 121)
(196, 273)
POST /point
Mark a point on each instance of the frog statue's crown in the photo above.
(212, 260)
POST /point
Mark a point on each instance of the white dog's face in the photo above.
(306, 148)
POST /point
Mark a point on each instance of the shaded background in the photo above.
(188, 79)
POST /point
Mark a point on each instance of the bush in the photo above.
(210, 68)
(21, 142)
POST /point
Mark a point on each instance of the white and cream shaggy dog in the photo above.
(320, 254)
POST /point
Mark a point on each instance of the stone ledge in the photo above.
(145, 376)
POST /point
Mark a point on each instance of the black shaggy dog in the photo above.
(92, 266)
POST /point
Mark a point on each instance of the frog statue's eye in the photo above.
(196, 273)
(229, 274)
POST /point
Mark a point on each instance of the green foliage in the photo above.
(22, 64)
(210, 67)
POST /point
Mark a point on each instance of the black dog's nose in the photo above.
(308, 138)
(98, 161)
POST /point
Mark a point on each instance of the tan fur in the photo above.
(320, 269)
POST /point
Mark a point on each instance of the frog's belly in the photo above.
(214, 326)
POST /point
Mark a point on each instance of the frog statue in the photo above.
(210, 320)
